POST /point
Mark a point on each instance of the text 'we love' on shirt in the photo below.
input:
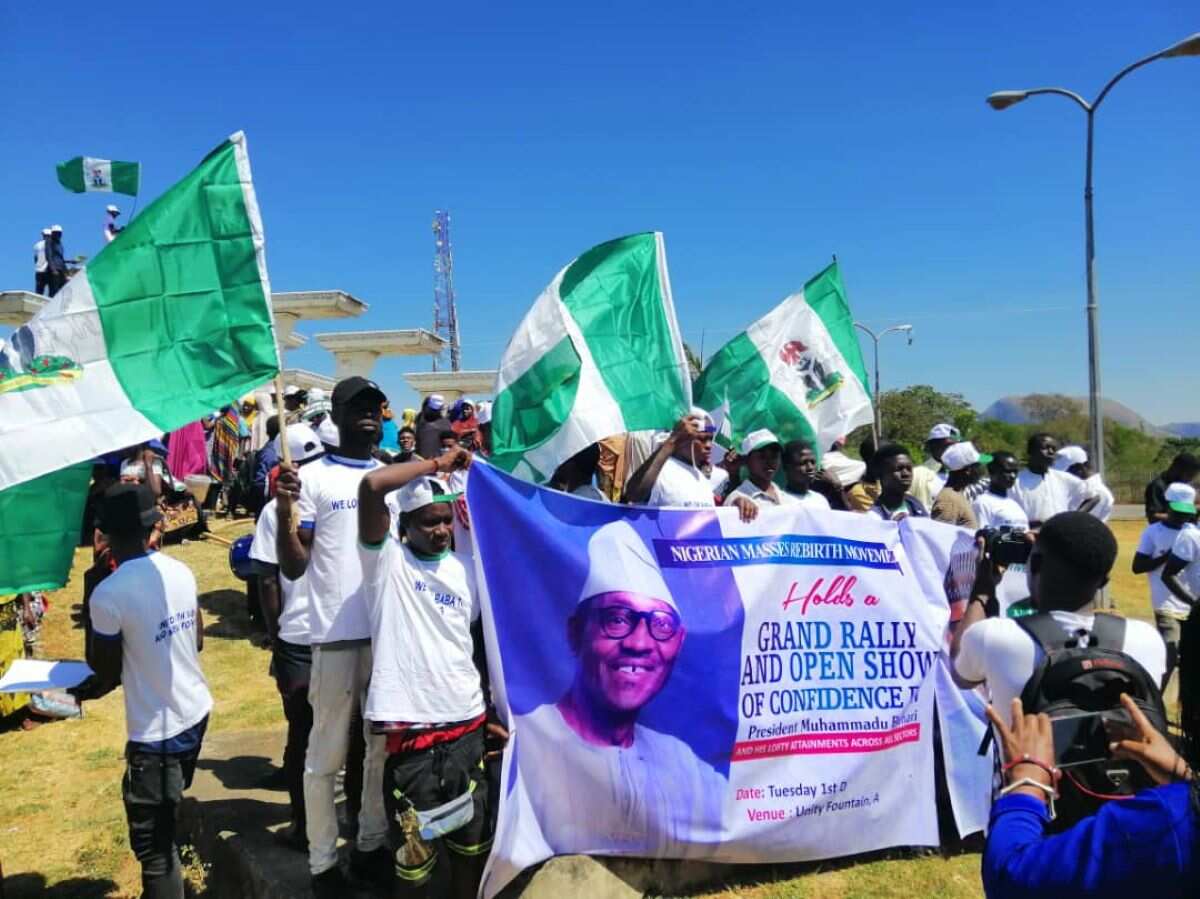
(328, 505)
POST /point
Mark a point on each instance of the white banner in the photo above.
(683, 685)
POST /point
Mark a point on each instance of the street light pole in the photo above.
(1001, 100)
(877, 422)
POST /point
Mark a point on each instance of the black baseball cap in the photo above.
(348, 388)
(128, 509)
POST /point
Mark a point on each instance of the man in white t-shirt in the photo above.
(285, 614)
(1070, 562)
(428, 690)
(41, 276)
(144, 631)
(800, 470)
(1155, 549)
(1074, 460)
(674, 476)
(761, 454)
(323, 548)
(995, 507)
(595, 777)
(1044, 492)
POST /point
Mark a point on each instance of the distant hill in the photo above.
(1183, 428)
(1016, 410)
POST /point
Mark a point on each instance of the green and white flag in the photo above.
(598, 354)
(166, 323)
(798, 371)
(84, 173)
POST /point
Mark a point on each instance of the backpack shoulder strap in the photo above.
(1108, 631)
(1044, 630)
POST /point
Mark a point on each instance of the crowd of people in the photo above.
(368, 596)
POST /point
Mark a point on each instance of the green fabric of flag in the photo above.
(84, 174)
(40, 523)
(598, 354)
(167, 323)
(798, 371)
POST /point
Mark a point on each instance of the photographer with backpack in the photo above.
(1066, 659)
(1146, 845)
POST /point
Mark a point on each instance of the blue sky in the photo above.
(761, 139)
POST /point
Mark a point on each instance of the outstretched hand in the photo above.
(1146, 746)
(1031, 737)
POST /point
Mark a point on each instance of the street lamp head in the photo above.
(1004, 99)
(907, 329)
(1189, 46)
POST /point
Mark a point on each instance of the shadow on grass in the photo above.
(21, 886)
(243, 772)
(230, 605)
(744, 876)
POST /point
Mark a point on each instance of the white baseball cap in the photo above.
(436, 402)
(304, 443)
(1181, 498)
(619, 561)
(483, 413)
(959, 455)
(943, 431)
(756, 440)
(292, 390)
(317, 395)
(45, 232)
(111, 208)
(328, 433)
(424, 491)
(1068, 456)
(706, 420)
(56, 229)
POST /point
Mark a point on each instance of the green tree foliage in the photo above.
(908, 414)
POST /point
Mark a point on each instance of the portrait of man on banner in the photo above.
(631, 785)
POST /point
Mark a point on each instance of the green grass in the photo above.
(62, 825)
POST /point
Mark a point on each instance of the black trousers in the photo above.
(152, 789)
(291, 664)
(55, 281)
(41, 282)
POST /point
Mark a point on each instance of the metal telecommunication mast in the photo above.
(445, 312)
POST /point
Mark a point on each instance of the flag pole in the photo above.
(285, 452)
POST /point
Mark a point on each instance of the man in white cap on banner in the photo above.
(427, 693)
(111, 228)
(431, 425)
(1074, 460)
(964, 465)
(630, 786)
(674, 475)
(285, 614)
(762, 454)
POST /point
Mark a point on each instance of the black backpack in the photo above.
(1073, 680)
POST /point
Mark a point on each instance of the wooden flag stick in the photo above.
(285, 452)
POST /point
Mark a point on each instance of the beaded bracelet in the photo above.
(1026, 759)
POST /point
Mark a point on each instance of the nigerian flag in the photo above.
(598, 354)
(84, 173)
(166, 323)
(798, 371)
